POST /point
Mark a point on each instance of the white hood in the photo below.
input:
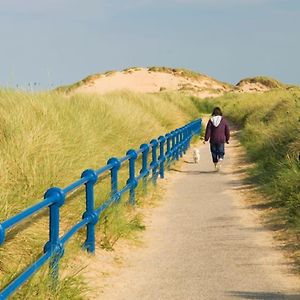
(216, 120)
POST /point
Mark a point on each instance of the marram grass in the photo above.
(48, 139)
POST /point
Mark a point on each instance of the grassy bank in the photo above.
(271, 135)
(48, 139)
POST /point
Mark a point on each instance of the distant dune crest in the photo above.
(159, 79)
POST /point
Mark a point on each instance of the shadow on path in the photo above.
(263, 295)
(188, 162)
(194, 172)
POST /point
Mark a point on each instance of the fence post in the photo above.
(154, 163)
(89, 243)
(181, 142)
(54, 245)
(189, 136)
(173, 145)
(116, 164)
(168, 152)
(177, 144)
(144, 170)
(184, 139)
(161, 157)
(132, 180)
(2, 234)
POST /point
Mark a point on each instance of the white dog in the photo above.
(196, 155)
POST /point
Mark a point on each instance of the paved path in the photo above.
(203, 243)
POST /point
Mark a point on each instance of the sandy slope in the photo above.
(248, 87)
(145, 81)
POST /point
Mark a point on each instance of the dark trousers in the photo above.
(217, 151)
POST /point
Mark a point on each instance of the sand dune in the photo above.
(147, 81)
(158, 79)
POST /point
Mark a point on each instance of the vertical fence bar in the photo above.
(2, 236)
(161, 157)
(116, 164)
(54, 240)
(144, 170)
(177, 144)
(181, 142)
(154, 163)
(132, 180)
(168, 152)
(89, 243)
(184, 139)
(173, 145)
(54, 245)
(189, 136)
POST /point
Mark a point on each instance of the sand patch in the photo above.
(143, 80)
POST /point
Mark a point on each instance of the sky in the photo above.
(48, 43)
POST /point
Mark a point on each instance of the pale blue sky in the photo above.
(55, 42)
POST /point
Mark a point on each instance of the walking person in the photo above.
(218, 133)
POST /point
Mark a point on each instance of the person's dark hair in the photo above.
(217, 112)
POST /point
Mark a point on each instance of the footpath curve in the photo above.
(203, 242)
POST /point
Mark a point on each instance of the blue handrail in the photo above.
(170, 147)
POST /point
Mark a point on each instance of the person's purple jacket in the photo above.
(217, 130)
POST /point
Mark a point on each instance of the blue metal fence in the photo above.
(170, 147)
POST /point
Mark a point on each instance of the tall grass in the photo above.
(48, 139)
(271, 135)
